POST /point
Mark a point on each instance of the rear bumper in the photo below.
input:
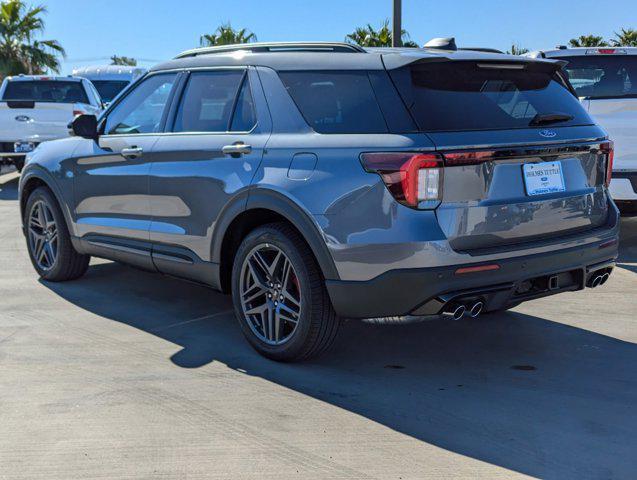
(429, 291)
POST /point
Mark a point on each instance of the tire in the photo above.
(302, 290)
(60, 261)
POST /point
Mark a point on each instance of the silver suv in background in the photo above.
(605, 80)
(324, 181)
(110, 80)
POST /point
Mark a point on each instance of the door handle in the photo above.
(236, 149)
(132, 152)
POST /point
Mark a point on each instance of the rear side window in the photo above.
(216, 102)
(336, 101)
(453, 96)
(52, 91)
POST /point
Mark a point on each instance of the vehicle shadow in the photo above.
(519, 391)
(9, 187)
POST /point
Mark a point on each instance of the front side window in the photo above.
(336, 101)
(209, 100)
(603, 76)
(142, 109)
(48, 91)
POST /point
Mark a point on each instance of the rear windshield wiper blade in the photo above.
(548, 118)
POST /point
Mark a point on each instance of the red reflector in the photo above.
(608, 243)
(469, 158)
(478, 268)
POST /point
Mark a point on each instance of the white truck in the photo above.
(34, 109)
(605, 79)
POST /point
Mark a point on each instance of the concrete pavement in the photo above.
(126, 374)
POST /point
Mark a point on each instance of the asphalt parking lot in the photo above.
(126, 374)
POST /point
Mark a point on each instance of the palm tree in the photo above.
(588, 41)
(517, 50)
(129, 61)
(368, 36)
(226, 35)
(19, 51)
(627, 38)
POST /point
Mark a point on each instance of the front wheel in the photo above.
(279, 295)
(48, 239)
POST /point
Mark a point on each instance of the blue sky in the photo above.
(154, 30)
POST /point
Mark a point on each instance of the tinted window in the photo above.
(142, 109)
(336, 102)
(603, 76)
(244, 118)
(208, 101)
(109, 89)
(56, 91)
(469, 96)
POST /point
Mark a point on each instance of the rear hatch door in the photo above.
(523, 159)
(516, 191)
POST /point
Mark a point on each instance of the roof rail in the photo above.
(481, 49)
(275, 47)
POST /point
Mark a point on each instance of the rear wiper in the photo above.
(548, 118)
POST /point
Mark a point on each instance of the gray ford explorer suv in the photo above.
(319, 181)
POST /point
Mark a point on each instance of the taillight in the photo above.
(414, 179)
(77, 112)
(608, 148)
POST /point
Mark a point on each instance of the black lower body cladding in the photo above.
(427, 291)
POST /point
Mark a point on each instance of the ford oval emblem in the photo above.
(548, 133)
(22, 118)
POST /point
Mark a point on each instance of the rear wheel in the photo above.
(279, 295)
(48, 239)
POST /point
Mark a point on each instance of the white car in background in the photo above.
(110, 80)
(605, 79)
(37, 108)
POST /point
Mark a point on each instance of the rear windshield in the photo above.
(603, 76)
(55, 91)
(336, 101)
(109, 89)
(453, 96)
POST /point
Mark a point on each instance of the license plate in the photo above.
(543, 178)
(23, 147)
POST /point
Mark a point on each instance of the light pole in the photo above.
(397, 28)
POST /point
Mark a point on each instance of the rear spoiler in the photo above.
(393, 61)
(21, 103)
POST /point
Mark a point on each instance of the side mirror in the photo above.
(85, 126)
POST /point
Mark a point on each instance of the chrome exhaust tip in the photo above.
(605, 277)
(456, 312)
(596, 281)
(476, 309)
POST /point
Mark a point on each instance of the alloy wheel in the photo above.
(270, 294)
(43, 235)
